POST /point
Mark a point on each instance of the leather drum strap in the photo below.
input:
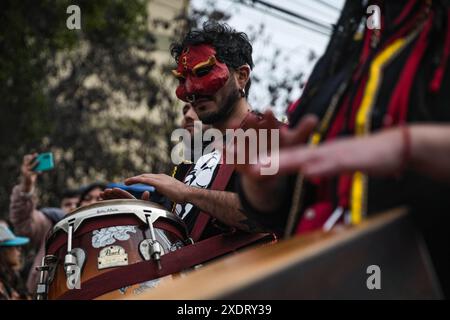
(220, 183)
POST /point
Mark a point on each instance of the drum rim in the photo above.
(88, 211)
(115, 201)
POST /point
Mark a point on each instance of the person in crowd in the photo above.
(35, 223)
(213, 69)
(214, 66)
(189, 118)
(69, 200)
(12, 286)
(91, 194)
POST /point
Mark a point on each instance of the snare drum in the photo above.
(106, 236)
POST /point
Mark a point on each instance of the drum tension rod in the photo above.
(155, 247)
(42, 287)
(70, 260)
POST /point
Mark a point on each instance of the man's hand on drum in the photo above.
(166, 185)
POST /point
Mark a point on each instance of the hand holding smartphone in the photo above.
(44, 162)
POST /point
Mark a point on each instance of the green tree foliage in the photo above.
(95, 96)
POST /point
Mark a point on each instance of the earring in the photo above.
(191, 98)
(242, 92)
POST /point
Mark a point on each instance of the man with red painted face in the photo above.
(216, 93)
(213, 69)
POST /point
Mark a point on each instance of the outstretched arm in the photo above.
(430, 150)
(222, 205)
(26, 220)
(422, 148)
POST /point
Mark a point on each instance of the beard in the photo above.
(225, 110)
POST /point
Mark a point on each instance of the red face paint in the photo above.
(199, 73)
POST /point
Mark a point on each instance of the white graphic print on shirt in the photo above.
(200, 177)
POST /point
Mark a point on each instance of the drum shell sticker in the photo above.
(107, 236)
(112, 256)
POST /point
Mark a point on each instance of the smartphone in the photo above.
(44, 162)
(135, 189)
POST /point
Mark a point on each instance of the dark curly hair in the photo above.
(233, 48)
